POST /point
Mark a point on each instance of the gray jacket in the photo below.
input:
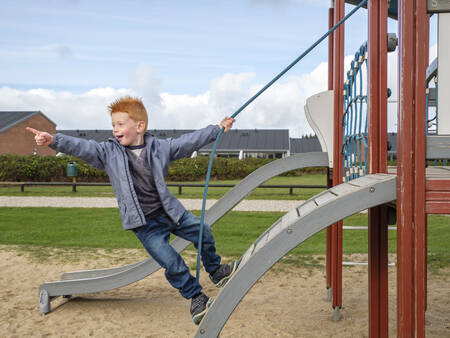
(111, 157)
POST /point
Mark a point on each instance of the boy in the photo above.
(136, 163)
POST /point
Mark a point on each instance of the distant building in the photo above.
(304, 145)
(241, 143)
(14, 139)
(258, 143)
(312, 144)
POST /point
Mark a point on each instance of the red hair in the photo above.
(133, 106)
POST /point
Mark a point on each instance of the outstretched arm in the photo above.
(93, 153)
(184, 145)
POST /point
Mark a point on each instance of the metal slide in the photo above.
(291, 230)
(89, 281)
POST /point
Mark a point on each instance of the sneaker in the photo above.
(199, 306)
(223, 274)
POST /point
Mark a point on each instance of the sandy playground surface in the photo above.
(287, 302)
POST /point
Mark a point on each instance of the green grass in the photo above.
(187, 192)
(65, 227)
(63, 191)
(234, 233)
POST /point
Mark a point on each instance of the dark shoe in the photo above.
(199, 306)
(223, 274)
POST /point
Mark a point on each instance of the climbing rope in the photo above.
(219, 135)
(354, 120)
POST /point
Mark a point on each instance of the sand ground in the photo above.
(287, 302)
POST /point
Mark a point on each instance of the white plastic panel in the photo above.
(324, 198)
(319, 113)
(306, 208)
(247, 255)
(343, 189)
(275, 230)
(364, 181)
(262, 241)
(443, 96)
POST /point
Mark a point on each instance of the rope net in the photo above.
(354, 121)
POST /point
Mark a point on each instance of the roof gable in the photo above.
(9, 119)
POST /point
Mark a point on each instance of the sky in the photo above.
(192, 62)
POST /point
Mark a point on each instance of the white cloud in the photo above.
(147, 84)
(66, 109)
(281, 106)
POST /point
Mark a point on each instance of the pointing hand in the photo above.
(42, 138)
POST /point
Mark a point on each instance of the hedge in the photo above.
(35, 168)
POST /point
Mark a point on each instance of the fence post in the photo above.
(179, 189)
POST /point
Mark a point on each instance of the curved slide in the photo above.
(89, 281)
(291, 230)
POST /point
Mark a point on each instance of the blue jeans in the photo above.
(155, 238)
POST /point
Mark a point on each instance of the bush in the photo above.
(37, 168)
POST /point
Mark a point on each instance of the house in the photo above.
(14, 139)
(258, 143)
(304, 145)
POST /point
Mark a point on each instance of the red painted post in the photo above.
(338, 86)
(425, 251)
(411, 216)
(329, 182)
(420, 254)
(377, 115)
(405, 318)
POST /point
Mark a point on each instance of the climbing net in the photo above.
(354, 146)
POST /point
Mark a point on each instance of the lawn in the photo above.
(234, 233)
(187, 192)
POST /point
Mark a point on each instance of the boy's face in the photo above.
(127, 131)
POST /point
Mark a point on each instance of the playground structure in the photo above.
(419, 191)
(358, 178)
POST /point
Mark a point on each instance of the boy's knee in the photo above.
(157, 247)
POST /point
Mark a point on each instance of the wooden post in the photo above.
(411, 216)
(377, 130)
(338, 87)
(74, 184)
(329, 181)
